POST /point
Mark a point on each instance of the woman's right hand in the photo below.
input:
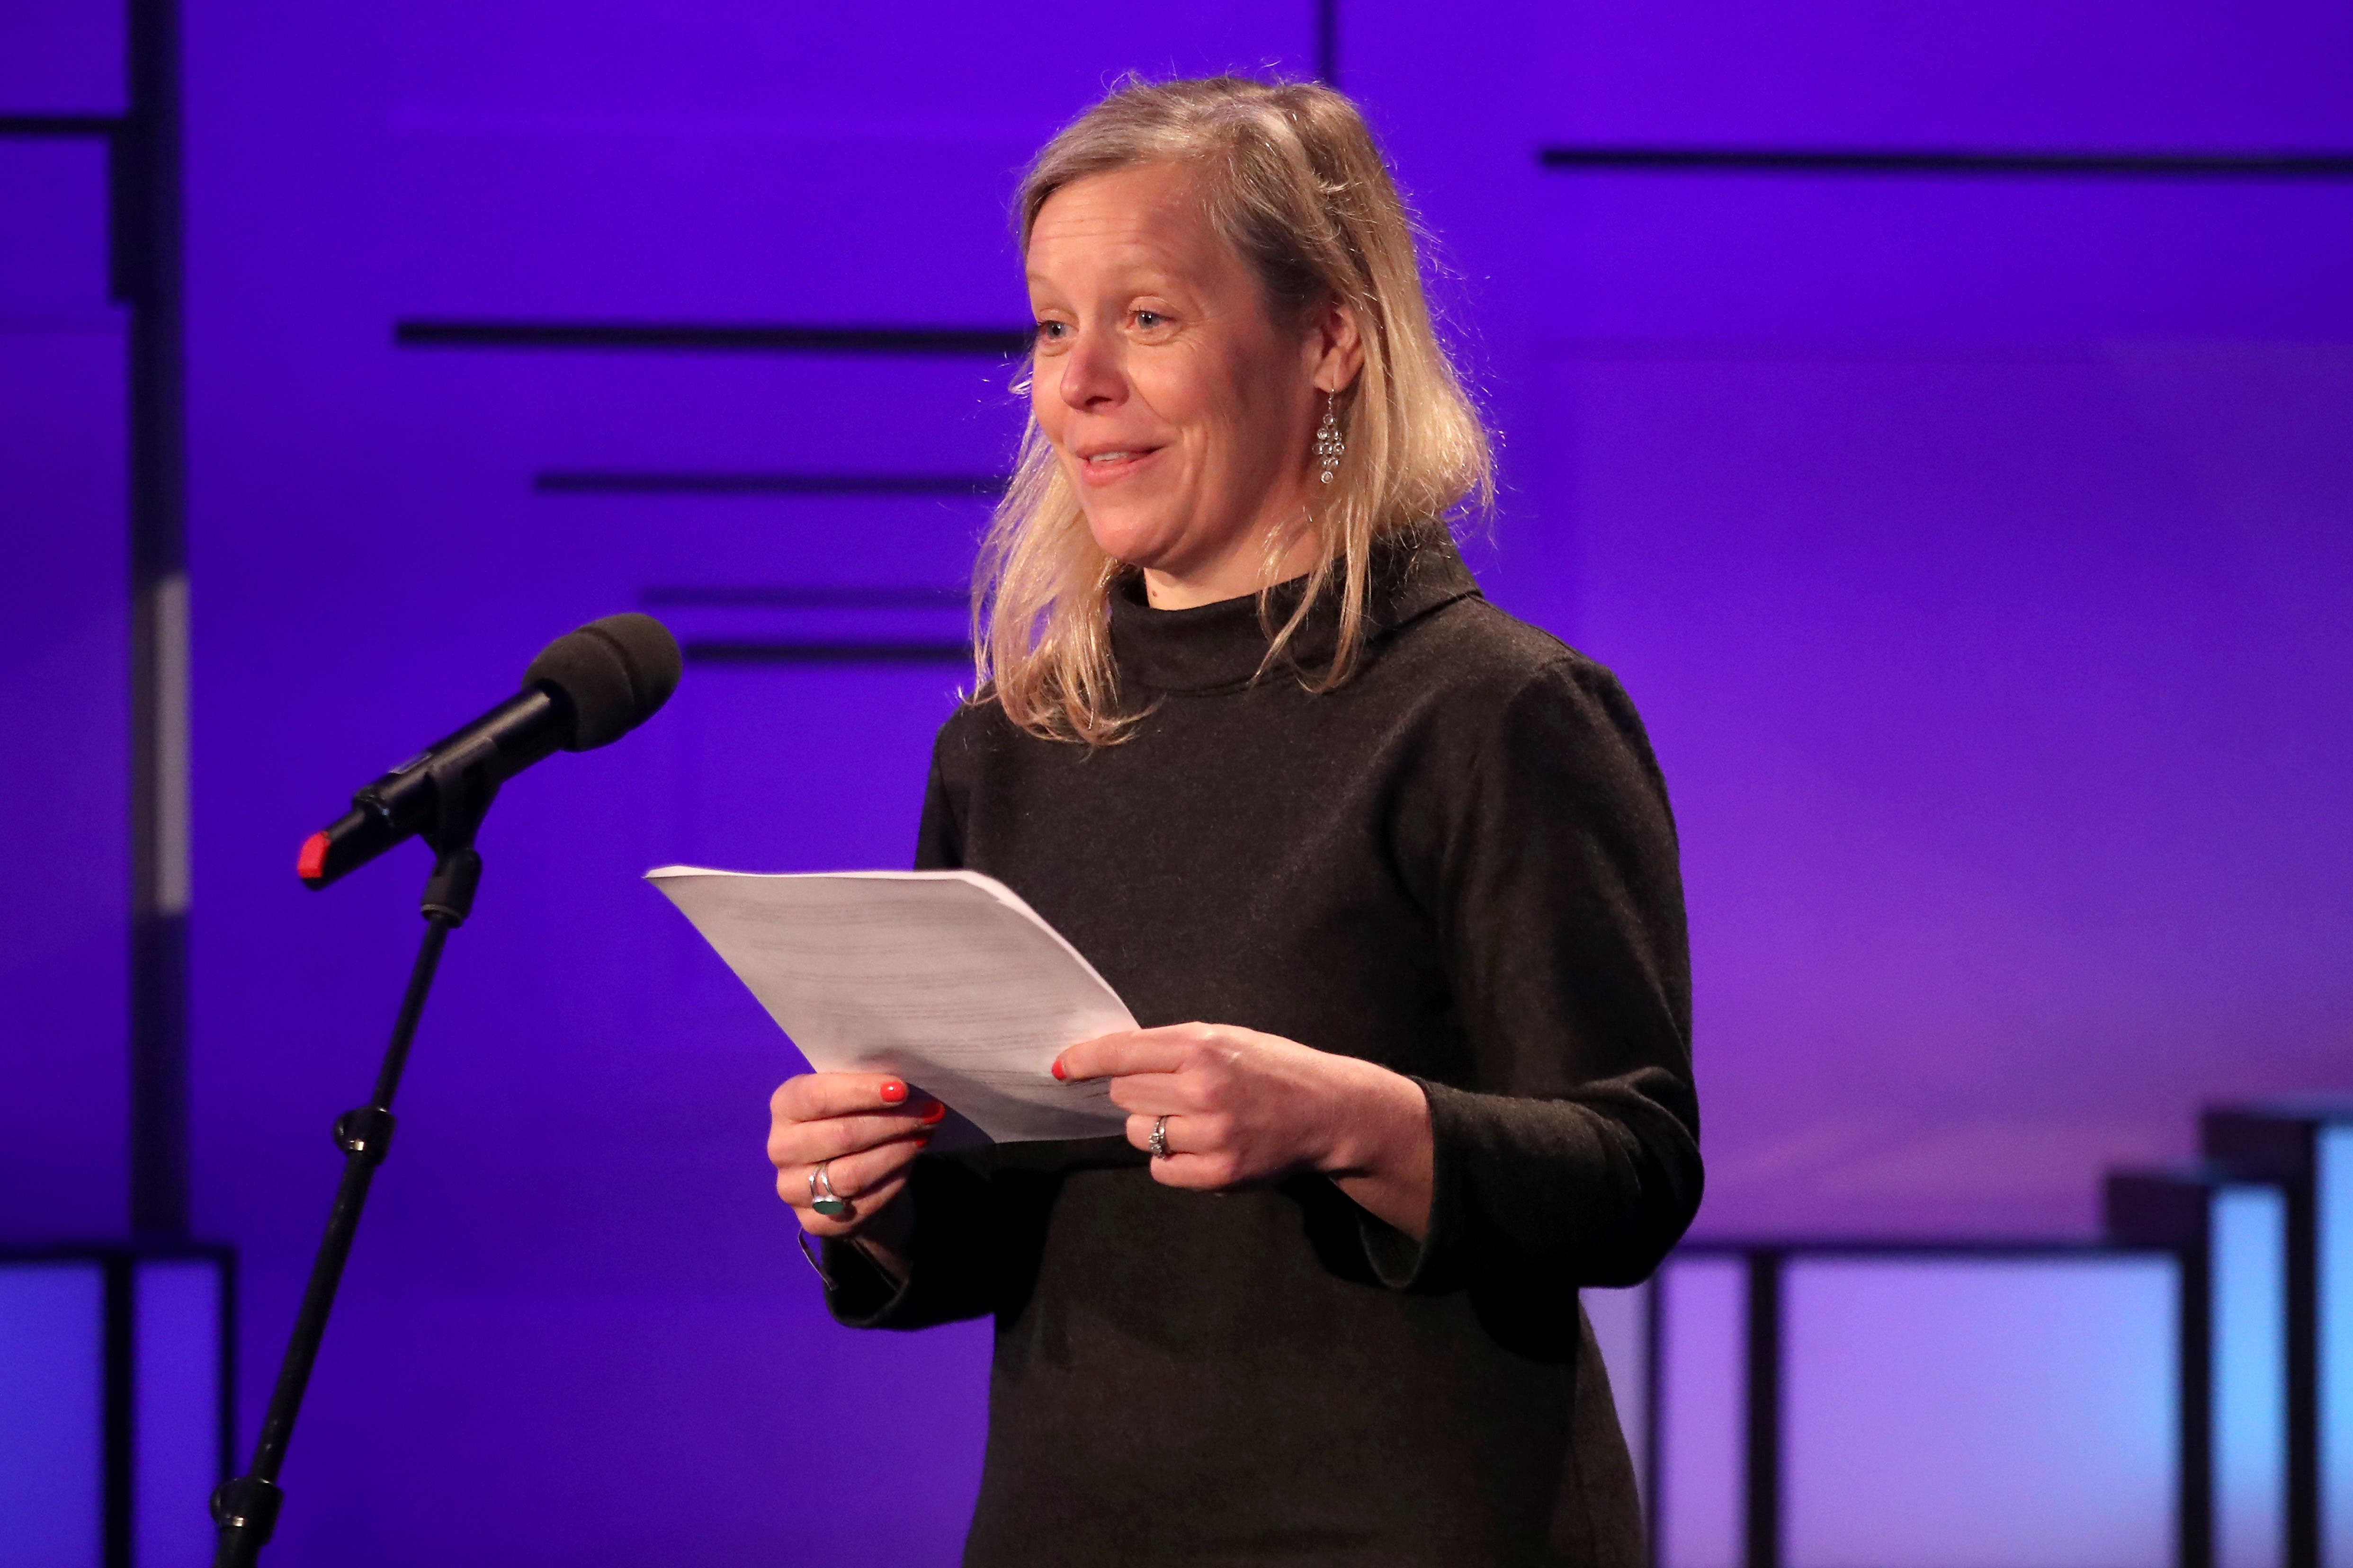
(866, 1129)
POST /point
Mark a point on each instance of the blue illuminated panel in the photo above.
(2333, 1185)
(1621, 1327)
(51, 1375)
(1979, 1412)
(2250, 1297)
(1703, 1386)
(177, 1458)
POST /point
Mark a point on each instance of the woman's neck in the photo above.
(1232, 575)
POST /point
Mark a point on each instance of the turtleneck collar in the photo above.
(1222, 645)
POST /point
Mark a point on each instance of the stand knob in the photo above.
(246, 1509)
(366, 1130)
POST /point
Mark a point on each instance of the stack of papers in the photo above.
(945, 978)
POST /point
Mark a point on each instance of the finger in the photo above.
(1195, 1173)
(1161, 1093)
(1139, 1131)
(1190, 1132)
(855, 1178)
(814, 1095)
(850, 1224)
(806, 1142)
(1165, 1049)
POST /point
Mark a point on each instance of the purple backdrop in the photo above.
(65, 783)
(1977, 550)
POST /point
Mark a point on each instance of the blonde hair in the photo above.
(1292, 179)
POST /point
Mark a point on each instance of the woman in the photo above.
(1388, 877)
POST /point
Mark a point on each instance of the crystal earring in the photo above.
(1329, 443)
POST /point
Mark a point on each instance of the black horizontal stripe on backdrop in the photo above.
(46, 127)
(648, 482)
(736, 337)
(815, 650)
(826, 651)
(2276, 165)
(805, 597)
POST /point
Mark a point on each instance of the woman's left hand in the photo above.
(1244, 1109)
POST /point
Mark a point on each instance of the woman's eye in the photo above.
(1148, 319)
(1050, 331)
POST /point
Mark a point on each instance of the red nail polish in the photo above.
(1057, 1071)
(894, 1092)
(924, 1142)
(933, 1113)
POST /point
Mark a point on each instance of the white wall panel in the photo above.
(1997, 1413)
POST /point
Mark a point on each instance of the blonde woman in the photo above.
(1389, 876)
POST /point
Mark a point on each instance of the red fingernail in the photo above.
(924, 1141)
(894, 1091)
(933, 1113)
(1058, 1070)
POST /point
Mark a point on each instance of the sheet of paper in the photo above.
(945, 978)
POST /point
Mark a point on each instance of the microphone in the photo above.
(586, 689)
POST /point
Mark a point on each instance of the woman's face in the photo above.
(1182, 414)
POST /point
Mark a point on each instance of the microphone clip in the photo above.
(463, 789)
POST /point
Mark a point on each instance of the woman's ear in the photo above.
(1336, 347)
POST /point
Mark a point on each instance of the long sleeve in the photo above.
(1570, 1157)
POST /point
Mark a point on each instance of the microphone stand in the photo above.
(245, 1509)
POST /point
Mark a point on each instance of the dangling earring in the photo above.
(1329, 445)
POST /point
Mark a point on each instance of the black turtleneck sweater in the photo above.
(1459, 863)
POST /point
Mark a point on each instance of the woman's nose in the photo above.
(1092, 376)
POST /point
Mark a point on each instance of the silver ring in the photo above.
(822, 1197)
(1158, 1142)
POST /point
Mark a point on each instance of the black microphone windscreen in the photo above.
(615, 673)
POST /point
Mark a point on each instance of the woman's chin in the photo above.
(1146, 542)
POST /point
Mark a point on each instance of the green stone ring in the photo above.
(822, 1197)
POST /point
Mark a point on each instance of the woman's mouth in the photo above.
(1113, 464)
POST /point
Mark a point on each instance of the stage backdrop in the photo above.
(1975, 544)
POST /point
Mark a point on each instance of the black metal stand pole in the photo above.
(245, 1509)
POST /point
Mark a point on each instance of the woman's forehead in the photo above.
(1150, 215)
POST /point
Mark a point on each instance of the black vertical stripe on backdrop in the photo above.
(158, 1083)
(118, 1394)
(2194, 1508)
(225, 1448)
(146, 267)
(2303, 1500)
(1761, 1502)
